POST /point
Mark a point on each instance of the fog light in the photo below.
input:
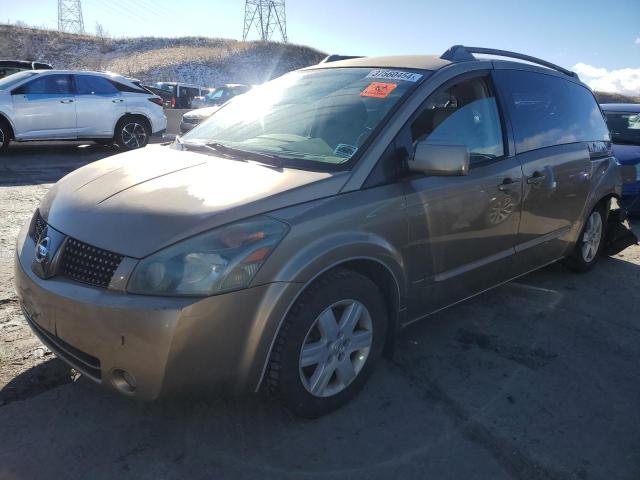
(123, 380)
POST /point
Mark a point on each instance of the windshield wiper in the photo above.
(245, 155)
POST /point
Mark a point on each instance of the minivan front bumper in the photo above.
(163, 344)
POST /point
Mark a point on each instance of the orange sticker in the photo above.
(378, 90)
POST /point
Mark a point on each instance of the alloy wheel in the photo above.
(336, 348)
(134, 135)
(591, 237)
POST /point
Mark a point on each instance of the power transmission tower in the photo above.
(267, 16)
(70, 16)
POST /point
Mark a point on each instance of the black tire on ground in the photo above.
(582, 258)
(5, 135)
(132, 132)
(284, 376)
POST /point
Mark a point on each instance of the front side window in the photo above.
(92, 85)
(49, 85)
(465, 113)
(322, 115)
(548, 110)
(624, 127)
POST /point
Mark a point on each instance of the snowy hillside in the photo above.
(199, 60)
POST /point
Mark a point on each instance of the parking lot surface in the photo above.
(537, 379)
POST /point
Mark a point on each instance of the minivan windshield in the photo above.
(321, 116)
(624, 127)
(11, 80)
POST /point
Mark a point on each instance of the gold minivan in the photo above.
(281, 244)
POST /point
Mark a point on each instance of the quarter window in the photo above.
(465, 113)
(547, 110)
(91, 85)
(48, 84)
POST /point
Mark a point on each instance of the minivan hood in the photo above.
(138, 202)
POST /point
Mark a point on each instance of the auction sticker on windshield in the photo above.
(395, 75)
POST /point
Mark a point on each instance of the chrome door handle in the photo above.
(118, 100)
(66, 101)
(536, 178)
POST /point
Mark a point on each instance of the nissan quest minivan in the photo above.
(281, 245)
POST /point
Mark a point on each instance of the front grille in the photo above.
(78, 359)
(87, 264)
(38, 227)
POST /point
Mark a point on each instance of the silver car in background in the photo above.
(75, 105)
(282, 244)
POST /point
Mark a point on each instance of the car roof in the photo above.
(621, 107)
(417, 62)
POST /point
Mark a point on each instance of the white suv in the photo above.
(70, 105)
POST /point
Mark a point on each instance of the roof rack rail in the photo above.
(460, 53)
(335, 58)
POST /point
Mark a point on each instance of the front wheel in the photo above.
(589, 246)
(328, 344)
(132, 133)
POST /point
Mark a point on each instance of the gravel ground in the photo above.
(537, 379)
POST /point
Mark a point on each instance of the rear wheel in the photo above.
(329, 344)
(132, 133)
(589, 246)
(5, 135)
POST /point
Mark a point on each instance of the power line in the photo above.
(267, 16)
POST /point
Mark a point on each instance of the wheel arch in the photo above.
(5, 118)
(133, 114)
(375, 270)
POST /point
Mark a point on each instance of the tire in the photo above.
(5, 136)
(591, 242)
(324, 381)
(132, 133)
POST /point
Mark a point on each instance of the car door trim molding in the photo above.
(467, 267)
(544, 238)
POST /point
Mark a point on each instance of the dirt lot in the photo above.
(537, 379)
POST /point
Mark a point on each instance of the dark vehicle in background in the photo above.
(165, 95)
(226, 92)
(623, 120)
(180, 94)
(213, 102)
(9, 67)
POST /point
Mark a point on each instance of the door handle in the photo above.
(117, 100)
(507, 184)
(66, 101)
(536, 178)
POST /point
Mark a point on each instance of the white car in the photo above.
(71, 105)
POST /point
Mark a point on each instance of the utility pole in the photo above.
(267, 16)
(70, 16)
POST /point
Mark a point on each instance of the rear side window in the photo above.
(547, 110)
(48, 84)
(92, 85)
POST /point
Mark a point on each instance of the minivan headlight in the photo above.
(217, 261)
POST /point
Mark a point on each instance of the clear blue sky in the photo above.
(599, 33)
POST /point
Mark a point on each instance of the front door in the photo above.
(462, 229)
(45, 108)
(550, 117)
(99, 105)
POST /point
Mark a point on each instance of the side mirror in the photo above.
(440, 160)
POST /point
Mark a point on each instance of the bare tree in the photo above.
(103, 38)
